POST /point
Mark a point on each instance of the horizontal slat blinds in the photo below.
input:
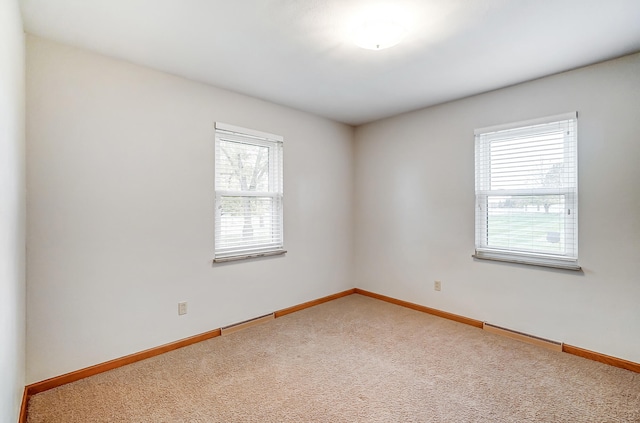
(249, 192)
(526, 191)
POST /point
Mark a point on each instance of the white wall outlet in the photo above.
(437, 285)
(182, 308)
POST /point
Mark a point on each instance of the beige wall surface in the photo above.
(415, 207)
(12, 212)
(121, 209)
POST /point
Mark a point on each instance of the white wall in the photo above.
(415, 207)
(120, 217)
(12, 211)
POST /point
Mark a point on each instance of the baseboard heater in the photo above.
(524, 337)
(246, 324)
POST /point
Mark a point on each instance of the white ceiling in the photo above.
(299, 53)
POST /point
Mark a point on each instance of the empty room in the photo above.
(319, 211)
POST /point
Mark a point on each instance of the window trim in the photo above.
(569, 260)
(273, 142)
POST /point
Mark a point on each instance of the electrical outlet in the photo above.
(437, 285)
(182, 308)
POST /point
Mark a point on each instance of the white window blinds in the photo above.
(527, 192)
(249, 193)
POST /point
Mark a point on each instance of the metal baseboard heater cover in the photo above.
(524, 337)
(246, 324)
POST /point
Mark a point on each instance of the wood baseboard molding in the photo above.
(418, 307)
(56, 381)
(602, 358)
(22, 418)
(569, 349)
(308, 304)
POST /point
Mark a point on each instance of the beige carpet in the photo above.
(355, 359)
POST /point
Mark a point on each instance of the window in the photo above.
(248, 184)
(527, 192)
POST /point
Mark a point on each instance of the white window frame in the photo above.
(275, 191)
(483, 138)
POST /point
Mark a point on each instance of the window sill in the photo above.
(249, 256)
(532, 262)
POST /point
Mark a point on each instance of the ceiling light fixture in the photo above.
(379, 34)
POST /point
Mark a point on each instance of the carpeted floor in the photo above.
(354, 359)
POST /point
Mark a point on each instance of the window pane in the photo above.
(528, 161)
(242, 167)
(527, 223)
(527, 192)
(248, 222)
(248, 182)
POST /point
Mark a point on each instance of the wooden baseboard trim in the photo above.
(53, 382)
(308, 304)
(418, 307)
(602, 358)
(56, 381)
(22, 418)
(569, 349)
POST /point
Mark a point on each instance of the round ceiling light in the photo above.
(379, 34)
